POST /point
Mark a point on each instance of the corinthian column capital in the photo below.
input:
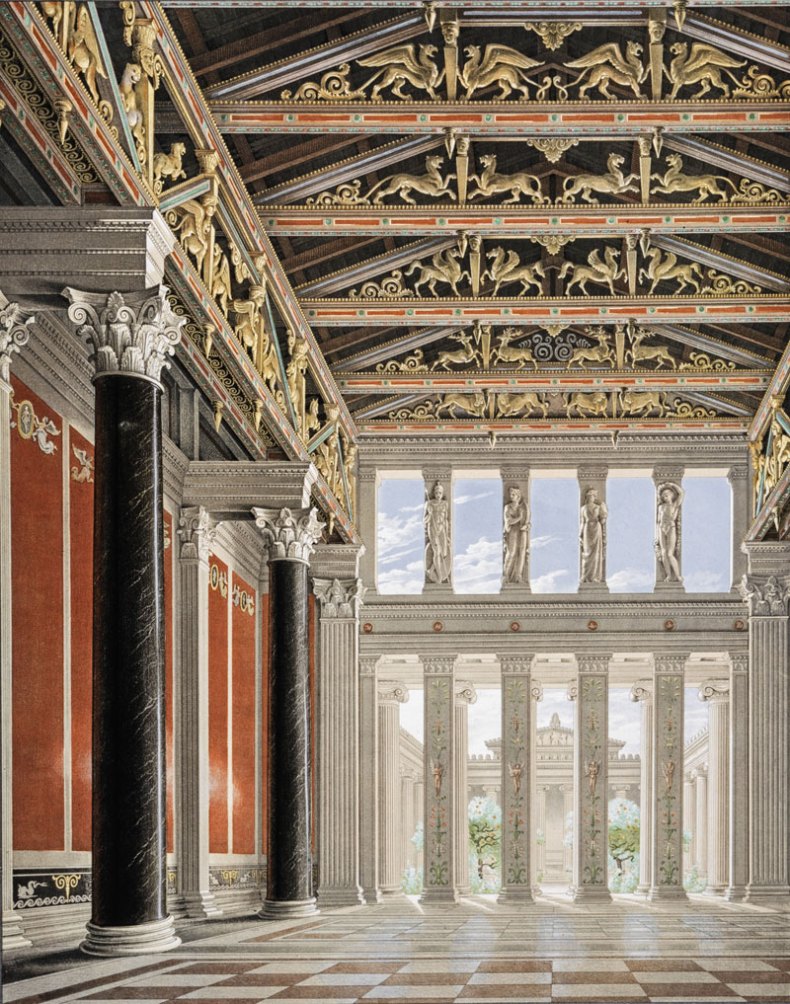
(766, 596)
(196, 530)
(289, 534)
(131, 333)
(339, 598)
(14, 333)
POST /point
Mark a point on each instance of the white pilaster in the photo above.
(390, 696)
(367, 520)
(196, 531)
(368, 780)
(590, 779)
(689, 820)
(517, 775)
(14, 334)
(642, 691)
(739, 776)
(701, 821)
(465, 694)
(738, 477)
(438, 885)
(407, 817)
(716, 694)
(338, 741)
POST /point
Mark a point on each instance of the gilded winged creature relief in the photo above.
(673, 180)
(443, 267)
(607, 65)
(84, 50)
(498, 65)
(614, 182)
(489, 182)
(402, 65)
(663, 267)
(506, 267)
(703, 65)
(431, 183)
(194, 227)
(603, 273)
(467, 355)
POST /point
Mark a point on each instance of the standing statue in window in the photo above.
(592, 537)
(667, 545)
(515, 530)
(438, 559)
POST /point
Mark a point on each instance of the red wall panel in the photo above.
(265, 662)
(169, 758)
(37, 626)
(81, 551)
(243, 711)
(218, 705)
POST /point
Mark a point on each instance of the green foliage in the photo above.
(623, 845)
(485, 840)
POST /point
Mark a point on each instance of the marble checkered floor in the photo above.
(477, 951)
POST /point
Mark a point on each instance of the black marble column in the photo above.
(131, 334)
(128, 661)
(290, 863)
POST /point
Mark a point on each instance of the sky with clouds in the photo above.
(554, 567)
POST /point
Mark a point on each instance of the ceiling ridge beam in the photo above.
(386, 350)
(718, 260)
(555, 380)
(733, 39)
(728, 160)
(709, 344)
(320, 58)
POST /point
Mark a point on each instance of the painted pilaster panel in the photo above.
(536, 824)
(667, 852)
(438, 885)
(591, 782)
(218, 705)
(518, 753)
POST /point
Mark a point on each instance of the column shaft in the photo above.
(464, 696)
(407, 818)
(643, 692)
(391, 695)
(368, 781)
(667, 834)
(716, 693)
(440, 850)
(591, 783)
(739, 777)
(517, 775)
(701, 822)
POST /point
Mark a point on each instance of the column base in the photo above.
(285, 909)
(715, 890)
(775, 896)
(735, 893)
(513, 589)
(643, 889)
(659, 892)
(341, 896)
(515, 896)
(431, 896)
(580, 894)
(200, 905)
(134, 939)
(463, 890)
(438, 590)
(371, 896)
(13, 935)
(389, 894)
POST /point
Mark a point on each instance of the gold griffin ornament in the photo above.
(506, 267)
(606, 65)
(443, 267)
(704, 64)
(602, 273)
(498, 66)
(663, 267)
(400, 65)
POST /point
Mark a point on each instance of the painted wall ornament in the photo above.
(667, 543)
(30, 426)
(592, 537)
(436, 519)
(515, 532)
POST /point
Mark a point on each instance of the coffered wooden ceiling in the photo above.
(501, 214)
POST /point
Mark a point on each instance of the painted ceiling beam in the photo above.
(518, 221)
(573, 310)
(430, 427)
(320, 59)
(347, 170)
(727, 160)
(390, 350)
(569, 8)
(730, 38)
(721, 404)
(365, 270)
(504, 118)
(555, 380)
(709, 258)
(777, 388)
(711, 346)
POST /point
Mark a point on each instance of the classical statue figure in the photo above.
(515, 529)
(438, 559)
(670, 499)
(592, 536)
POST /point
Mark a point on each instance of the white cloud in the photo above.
(543, 541)
(463, 499)
(408, 579)
(631, 580)
(706, 582)
(479, 568)
(394, 532)
(551, 582)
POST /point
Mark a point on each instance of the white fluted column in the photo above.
(368, 780)
(642, 691)
(390, 697)
(667, 831)
(196, 531)
(407, 817)
(567, 806)
(516, 778)
(338, 741)
(14, 334)
(739, 776)
(465, 694)
(701, 821)
(717, 695)
(536, 694)
(767, 592)
(590, 779)
(438, 884)
(689, 820)
(540, 813)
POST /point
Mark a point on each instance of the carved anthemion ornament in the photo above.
(490, 182)
(431, 183)
(613, 182)
(606, 65)
(602, 273)
(552, 147)
(553, 33)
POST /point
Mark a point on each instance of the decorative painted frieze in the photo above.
(668, 777)
(517, 696)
